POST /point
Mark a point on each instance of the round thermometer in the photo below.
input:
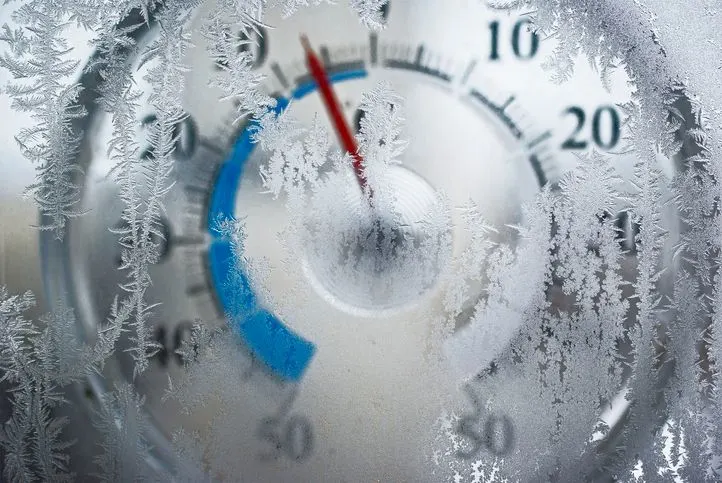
(327, 371)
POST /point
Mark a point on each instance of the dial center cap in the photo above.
(367, 259)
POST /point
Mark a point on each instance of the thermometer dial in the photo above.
(341, 373)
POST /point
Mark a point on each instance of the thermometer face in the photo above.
(336, 379)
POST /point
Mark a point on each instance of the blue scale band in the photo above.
(286, 353)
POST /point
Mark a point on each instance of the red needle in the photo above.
(343, 131)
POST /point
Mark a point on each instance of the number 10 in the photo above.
(525, 53)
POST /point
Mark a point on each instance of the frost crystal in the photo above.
(37, 365)
(41, 67)
(123, 424)
(570, 319)
(370, 12)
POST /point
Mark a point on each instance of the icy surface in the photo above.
(579, 330)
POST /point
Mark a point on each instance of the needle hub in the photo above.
(369, 261)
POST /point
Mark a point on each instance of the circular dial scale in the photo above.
(359, 397)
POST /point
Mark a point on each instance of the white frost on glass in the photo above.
(559, 297)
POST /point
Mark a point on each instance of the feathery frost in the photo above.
(561, 320)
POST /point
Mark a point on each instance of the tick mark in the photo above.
(468, 71)
(196, 195)
(499, 111)
(415, 65)
(210, 145)
(419, 55)
(188, 240)
(538, 170)
(507, 103)
(539, 139)
(374, 48)
(280, 75)
(325, 55)
(198, 289)
(189, 188)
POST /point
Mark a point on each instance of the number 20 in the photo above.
(612, 115)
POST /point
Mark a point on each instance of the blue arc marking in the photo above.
(286, 353)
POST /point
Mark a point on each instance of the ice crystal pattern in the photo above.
(562, 285)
